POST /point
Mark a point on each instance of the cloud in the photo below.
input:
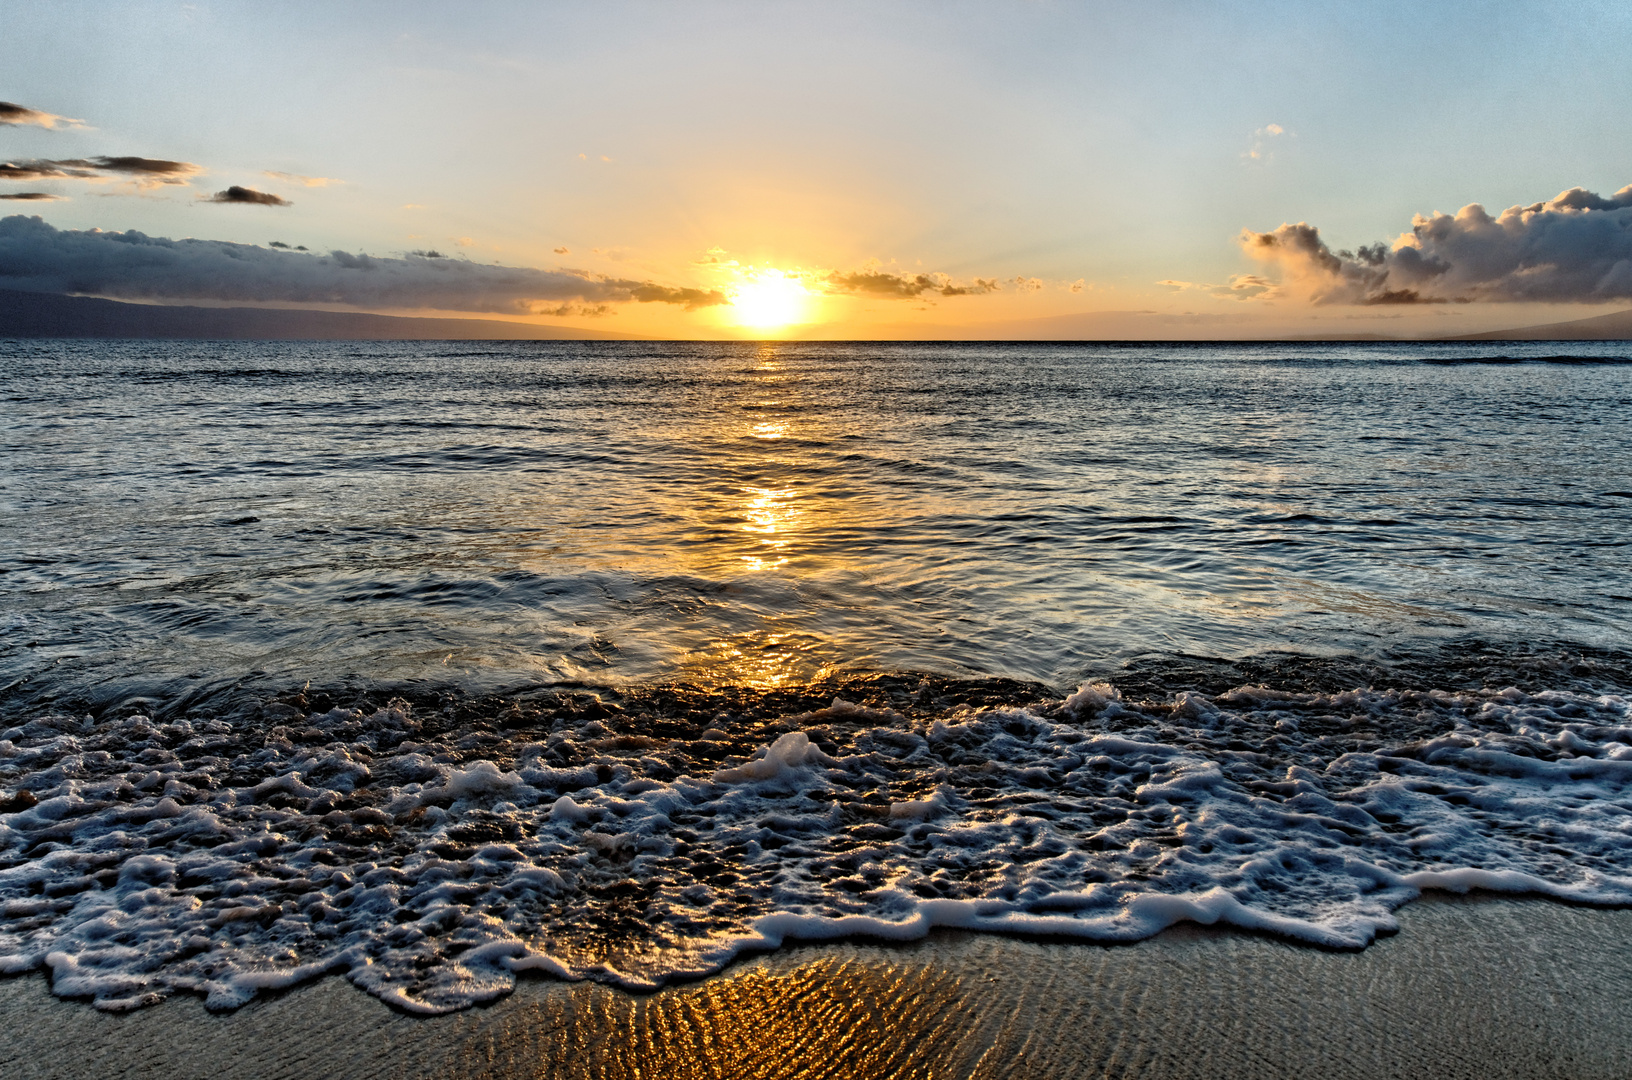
(38, 257)
(40, 170)
(304, 181)
(1247, 287)
(562, 251)
(1573, 248)
(582, 311)
(1260, 149)
(145, 171)
(1240, 287)
(13, 115)
(32, 196)
(249, 196)
(141, 166)
(880, 284)
(691, 299)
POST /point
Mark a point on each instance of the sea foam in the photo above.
(431, 860)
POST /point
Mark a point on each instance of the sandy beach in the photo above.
(1471, 987)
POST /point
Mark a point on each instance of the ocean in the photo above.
(433, 663)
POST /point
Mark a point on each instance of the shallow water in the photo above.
(620, 658)
(181, 513)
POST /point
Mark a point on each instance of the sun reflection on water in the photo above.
(764, 658)
(770, 429)
(769, 514)
(738, 533)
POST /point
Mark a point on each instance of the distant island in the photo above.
(1613, 327)
(49, 315)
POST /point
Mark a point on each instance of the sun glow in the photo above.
(768, 299)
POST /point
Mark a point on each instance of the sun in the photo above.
(768, 299)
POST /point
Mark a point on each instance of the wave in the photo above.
(1561, 358)
(432, 846)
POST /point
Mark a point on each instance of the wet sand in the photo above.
(1478, 987)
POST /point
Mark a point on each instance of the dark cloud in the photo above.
(17, 114)
(580, 311)
(143, 170)
(690, 299)
(360, 261)
(141, 166)
(38, 257)
(247, 196)
(877, 283)
(14, 115)
(431, 254)
(1575, 247)
(31, 196)
(39, 170)
(1402, 296)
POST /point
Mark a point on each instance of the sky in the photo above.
(829, 169)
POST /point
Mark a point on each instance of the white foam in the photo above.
(565, 809)
(184, 857)
(793, 750)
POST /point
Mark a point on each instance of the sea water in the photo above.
(431, 663)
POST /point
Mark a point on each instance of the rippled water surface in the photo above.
(178, 513)
(431, 663)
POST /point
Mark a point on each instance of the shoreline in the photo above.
(1480, 986)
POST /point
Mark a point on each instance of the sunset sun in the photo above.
(768, 300)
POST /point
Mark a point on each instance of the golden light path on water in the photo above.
(749, 520)
(767, 523)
